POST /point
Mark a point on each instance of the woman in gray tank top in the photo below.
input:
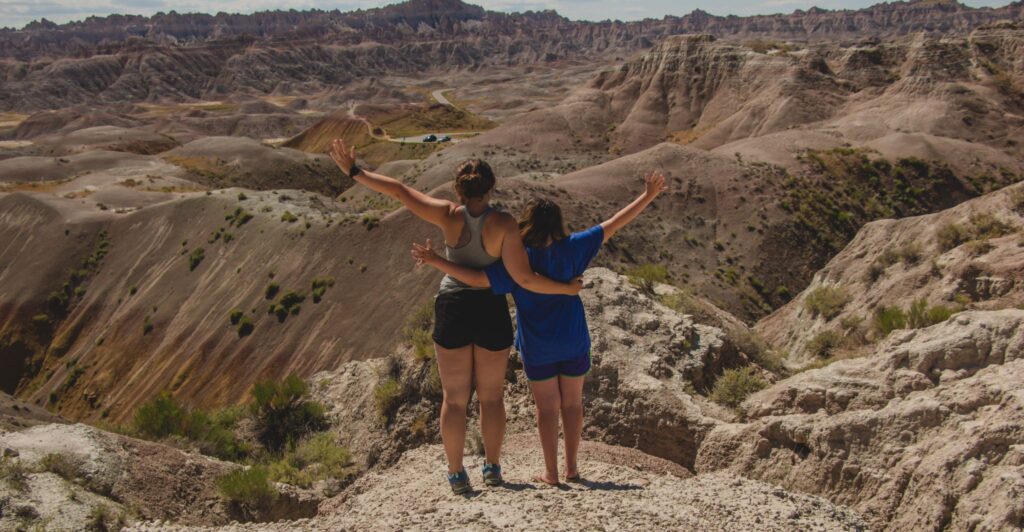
(472, 329)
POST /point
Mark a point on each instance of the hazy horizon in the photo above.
(18, 13)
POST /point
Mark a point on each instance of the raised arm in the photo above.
(654, 184)
(427, 207)
(513, 253)
(424, 254)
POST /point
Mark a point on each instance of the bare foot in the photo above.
(547, 478)
(571, 475)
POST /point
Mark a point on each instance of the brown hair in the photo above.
(542, 220)
(473, 179)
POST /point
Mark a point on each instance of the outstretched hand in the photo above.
(654, 183)
(343, 154)
(424, 253)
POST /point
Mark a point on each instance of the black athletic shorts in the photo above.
(463, 317)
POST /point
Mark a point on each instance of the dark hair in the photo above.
(542, 220)
(473, 179)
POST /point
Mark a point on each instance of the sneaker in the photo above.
(492, 474)
(459, 482)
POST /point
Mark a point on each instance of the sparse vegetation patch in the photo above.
(735, 385)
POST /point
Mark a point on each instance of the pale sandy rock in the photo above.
(924, 434)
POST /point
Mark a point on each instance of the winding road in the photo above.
(416, 139)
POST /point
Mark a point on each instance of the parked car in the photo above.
(430, 138)
(445, 138)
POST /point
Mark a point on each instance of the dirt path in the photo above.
(623, 489)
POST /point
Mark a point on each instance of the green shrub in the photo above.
(827, 301)
(236, 316)
(988, 226)
(418, 331)
(288, 217)
(163, 416)
(950, 236)
(318, 457)
(195, 258)
(888, 319)
(910, 253)
(979, 247)
(824, 343)
(646, 276)
(245, 327)
(875, 271)
(14, 473)
(66, 466)
(159, 417)
(292, 299)
(387, 397)
(320, 285)
(147, 326)
(283, 412)
(100, 519)
(250, 488)
(920, 315)
(1017, 200)
(735, 385)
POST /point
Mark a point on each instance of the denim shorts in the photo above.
(574, 367)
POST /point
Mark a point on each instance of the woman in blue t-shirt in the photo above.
(552, 335)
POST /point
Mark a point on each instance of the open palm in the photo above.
(343, 154)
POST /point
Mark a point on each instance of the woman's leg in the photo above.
(571, 389)
(489, 377)
(547, 395)
(456, 369)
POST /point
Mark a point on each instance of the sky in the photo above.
(17, 13)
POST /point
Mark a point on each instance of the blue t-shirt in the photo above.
(551, 328)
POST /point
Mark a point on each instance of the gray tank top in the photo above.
(472, 255)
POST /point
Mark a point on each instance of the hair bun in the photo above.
(473, 179)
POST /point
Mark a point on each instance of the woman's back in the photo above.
(470, 250)
(551, 328)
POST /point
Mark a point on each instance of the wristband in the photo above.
(354, 170)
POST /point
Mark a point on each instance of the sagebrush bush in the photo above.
(647, 276)
(950, 236)
(735, 385)
(245, 327)
(988, 226)
(320, 286)
(387, 397)
(418, 331)
(213, 433)
(14, 473)
(195, 258)
(827, 301)
(249, 487)
(159, 417)
(888, 319)
(235, 316)
(823, 344)
(318, 457)
(66, 466)
(283, 412)
(920, 315)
